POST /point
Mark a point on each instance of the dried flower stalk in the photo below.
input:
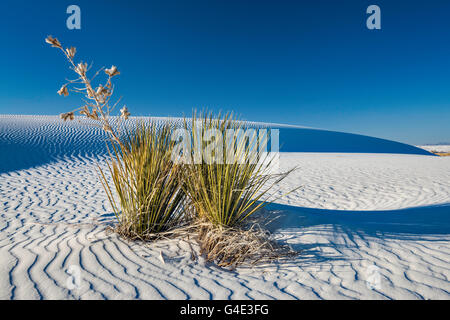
(97, 100)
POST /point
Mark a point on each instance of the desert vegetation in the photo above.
(225, 194)
(148, 184)
(154, 195)
(442, 154)
(97, 104)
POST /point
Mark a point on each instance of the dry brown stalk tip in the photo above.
(97, 100)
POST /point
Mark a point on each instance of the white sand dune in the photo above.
(369, 226)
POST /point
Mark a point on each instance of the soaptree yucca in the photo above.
(229, 185)
(223, 191)
(97, 103)
(148, 184)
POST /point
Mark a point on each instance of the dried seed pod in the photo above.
(71, 52)
(63, 91)
(53, 41)
(112, 71)
(81, 69)
(85, 111)
(67, 116)
(124, 113)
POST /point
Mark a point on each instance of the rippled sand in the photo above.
(369, 226)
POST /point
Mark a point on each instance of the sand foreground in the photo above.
(369, 226)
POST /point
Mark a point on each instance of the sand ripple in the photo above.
(356, 241)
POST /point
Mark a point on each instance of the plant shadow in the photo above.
(290, 223)
(415, 223)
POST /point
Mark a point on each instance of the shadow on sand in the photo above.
(427, 223)
(411, 222)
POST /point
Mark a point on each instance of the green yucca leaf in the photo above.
(228, 193)
(147, 184)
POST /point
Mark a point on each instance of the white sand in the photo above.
(371, 226)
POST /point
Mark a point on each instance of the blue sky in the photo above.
(311, 63)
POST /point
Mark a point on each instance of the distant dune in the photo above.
(315, 140)
(36, 140)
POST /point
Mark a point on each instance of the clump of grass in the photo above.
(441, 154)
(147, 182)
(158, 196)
(245, 245)
(225, 194)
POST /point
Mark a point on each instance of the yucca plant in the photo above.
(228, 192)
(225, 193)
(148, 184)
(97, 103)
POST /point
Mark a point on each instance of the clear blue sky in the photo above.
(311, 63)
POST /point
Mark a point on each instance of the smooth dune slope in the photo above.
(316, 140)
(369, 226)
